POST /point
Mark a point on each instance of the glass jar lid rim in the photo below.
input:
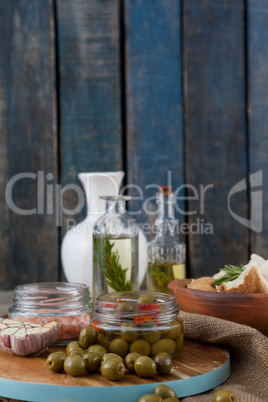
(162, 297)
(103, 304)
(61, 287)
(50, 298)
(163, 310)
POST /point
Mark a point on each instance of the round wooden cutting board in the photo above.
(199, 368)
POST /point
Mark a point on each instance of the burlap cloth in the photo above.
(248, 352)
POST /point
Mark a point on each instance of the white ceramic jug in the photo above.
(76, 249)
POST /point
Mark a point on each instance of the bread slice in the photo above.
(264, 270)
(250, 281)
(257, 259)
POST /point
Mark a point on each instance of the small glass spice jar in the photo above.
(66, 303)
(142, 322)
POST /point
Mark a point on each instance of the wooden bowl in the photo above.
(248, 309)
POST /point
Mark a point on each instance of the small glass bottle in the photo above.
(166, 255)
(115, 249)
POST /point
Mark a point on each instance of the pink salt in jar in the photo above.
(69, 304)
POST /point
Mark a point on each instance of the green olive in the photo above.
(103, 341)
(165, 391)
(164, 363)
(98, 349)
(109, 298)
(112, 369)
(55, 361)
(164, 345)
(170, 400)
(88, 336)
(147, 299)
(140, 346)
(130, 360)
(153, 336)
(72, 345)
(179, 344)
(127, 332)
(74, 365)
(145, 367)
(174, 332)
(118, 346)
(150, 398)
(224, 395)
(92, 360)
(77, 351)
(111, 356)
(124, 308)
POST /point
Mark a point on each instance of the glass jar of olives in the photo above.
(67, 303)
(139, 322)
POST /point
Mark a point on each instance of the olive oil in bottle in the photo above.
(115, 250)
(160, 274)
(115, 264)
(166, 255)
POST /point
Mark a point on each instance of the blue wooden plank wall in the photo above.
(89, 90)
(28, 138)
(216, 132)
(170, 91)
(154, 109)
(257, 61)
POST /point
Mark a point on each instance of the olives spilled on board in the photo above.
(130, 360)
(77, 351)
(98, 349)
(71, 346)
(161, 393)
(74, 365)
(93, 361)
(55, 361)
(164, 363)
(150, 398)
(111, 356)
(112, 369)
(144, 366)
(165, 391)
(224, 395)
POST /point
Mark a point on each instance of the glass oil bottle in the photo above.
(115, 250)
(166, 254)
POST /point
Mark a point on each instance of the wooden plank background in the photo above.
(28, 136)
(153, 74)
(167, 90)
(216, 140)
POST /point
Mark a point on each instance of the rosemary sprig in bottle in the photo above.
(161, 278)
(232, 273)
(115, 275)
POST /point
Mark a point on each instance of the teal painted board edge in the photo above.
(56, 393)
